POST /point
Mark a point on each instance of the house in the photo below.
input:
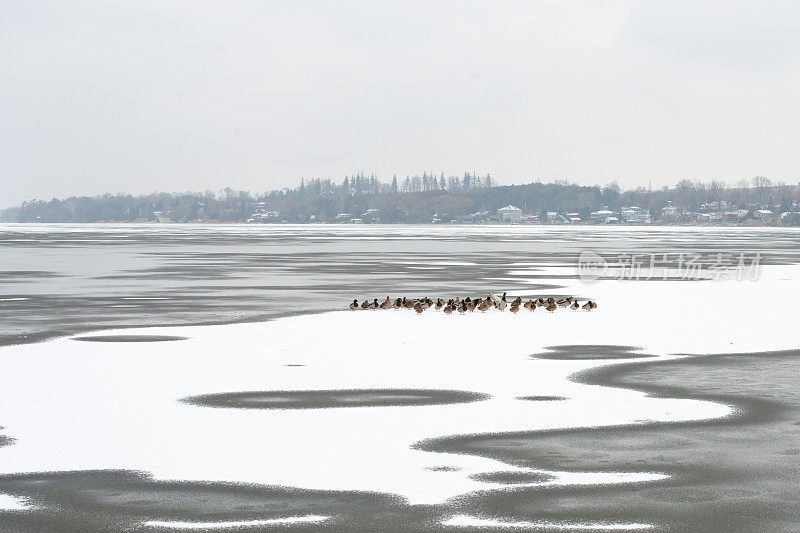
(510, 214)
(600, 216)
(669, 213)
(372, 215)
(763, 214)
(635, 215)
(555, 218)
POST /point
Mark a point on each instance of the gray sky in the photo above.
(136, 96)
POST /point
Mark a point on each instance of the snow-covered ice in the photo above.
(472, 522)
(73, 405)
(12, 503)
(238, 524)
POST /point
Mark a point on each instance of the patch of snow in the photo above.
(236, 524)
(13, 503)
(472, 521)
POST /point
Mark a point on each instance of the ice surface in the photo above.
(96, 405)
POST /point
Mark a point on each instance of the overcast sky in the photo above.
(137, 96)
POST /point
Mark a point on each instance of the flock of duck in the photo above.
(469, 305)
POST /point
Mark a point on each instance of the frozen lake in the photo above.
(211, 377)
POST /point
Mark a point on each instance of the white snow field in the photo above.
(73, 405)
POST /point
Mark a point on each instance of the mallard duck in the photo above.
(517, 300)
(354, 305)
(365, 305)
(439, 303)
(589, 305)
(398, 303)
(574, 305)
(485, 306)
(471, 307)
(551, 306)
(387, 303)
(514, 307)
(540, 302)
(529, 305)
(462, 308)
(418, 308)
(564, 302)
(374, 304)
(408, 304)
(501, 305)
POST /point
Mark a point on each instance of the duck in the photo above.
(449, 308)
(540, 302)
(514, 307)
(484, 306)
(589, 305)
(354, 305)
(471, 307)
(462, 308)
(387, 303)
(439, 303)
(551, 306)
(564, 302)
(517, 300)
(398, 303)
(529, 305)
(418, 308)
(408, 304)
(501, 305)
(365, 305)
(374, 304)
(574, 305)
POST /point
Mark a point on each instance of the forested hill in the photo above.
(420, 199)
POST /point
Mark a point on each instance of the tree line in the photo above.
(413, 199)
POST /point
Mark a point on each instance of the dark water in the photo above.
(63, 279)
